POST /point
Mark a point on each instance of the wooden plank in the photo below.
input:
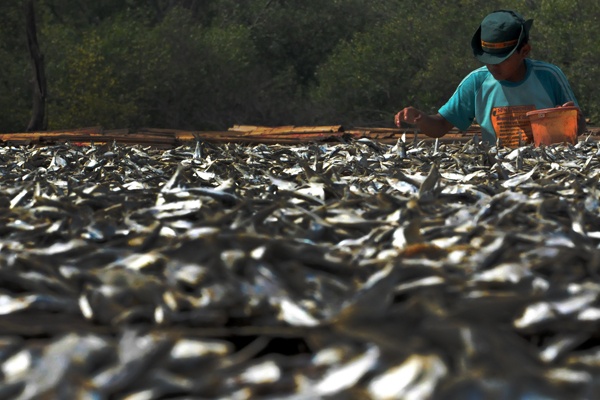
(287, 137)
(115, 132)
(289, 129)
(243, 128)
(246, 134)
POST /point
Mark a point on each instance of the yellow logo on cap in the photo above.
(501, 45)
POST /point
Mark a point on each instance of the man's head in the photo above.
(500, 34)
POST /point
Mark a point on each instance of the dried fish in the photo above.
(351, 269)
(416, 378)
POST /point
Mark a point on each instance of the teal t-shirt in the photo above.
(500, 106)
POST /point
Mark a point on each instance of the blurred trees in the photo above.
(15, 71)
(209, 64)
(407, 58)
(567, 33)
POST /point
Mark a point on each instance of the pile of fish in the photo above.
(344, 270)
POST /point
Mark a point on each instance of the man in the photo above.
(499, 94)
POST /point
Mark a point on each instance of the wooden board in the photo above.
(237, 134)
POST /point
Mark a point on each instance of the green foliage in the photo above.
(214, 63)
(92, 80)
(568, 35)
(414, 58)
(200, 77)
(15, 71)
(15, 92)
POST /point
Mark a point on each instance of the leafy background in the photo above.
(209, 64)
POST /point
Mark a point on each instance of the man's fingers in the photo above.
(397, 118)
(409, 115)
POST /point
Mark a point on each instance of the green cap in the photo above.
(499, 35)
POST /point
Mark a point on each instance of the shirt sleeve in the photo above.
(556, 84)
(460, 108)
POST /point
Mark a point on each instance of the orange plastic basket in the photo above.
(554, 125)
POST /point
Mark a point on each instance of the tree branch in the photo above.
(38, 117)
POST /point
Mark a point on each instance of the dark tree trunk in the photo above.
(38, 116)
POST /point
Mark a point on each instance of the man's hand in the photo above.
(409, 115)
(432, 125)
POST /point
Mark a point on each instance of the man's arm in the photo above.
(432, 125)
